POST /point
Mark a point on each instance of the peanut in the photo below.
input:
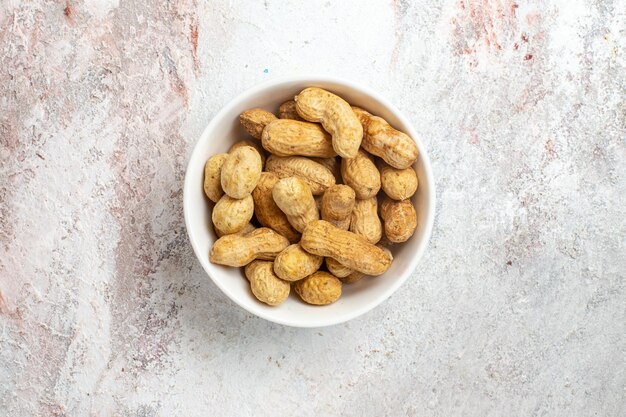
(240, 250)
(212, 185)
(284, 137)
(230, 215)
(353, 251)
(352, 278)
(304, 181)
(246, 229)
(241, 172)
(287, 110)
(254, 120)
(293, 196)
(255, 145)
(294, 263)
(266, 210)
(380, 139)
(399, 218)
(345, 274)
(398, 184)
(321, 288)
(316, 176)
(365, 221)
(332, 164)
(361, 174)
(265, 285)
(334, 113)
(337, 205)
(337, 269)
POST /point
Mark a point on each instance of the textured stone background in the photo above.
(518, 308)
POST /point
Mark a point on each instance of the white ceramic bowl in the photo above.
(357, 298)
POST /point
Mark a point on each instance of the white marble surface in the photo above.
(518, 308)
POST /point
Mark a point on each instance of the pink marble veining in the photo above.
(517, 309)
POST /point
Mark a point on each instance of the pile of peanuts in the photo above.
(316, 197)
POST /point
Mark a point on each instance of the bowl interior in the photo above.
(357, 298)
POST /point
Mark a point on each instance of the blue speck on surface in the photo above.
(266, 70)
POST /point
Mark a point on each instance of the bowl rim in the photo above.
(425, 160)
